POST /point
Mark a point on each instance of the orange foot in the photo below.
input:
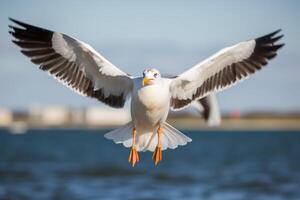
(157, 155)
(133, 156)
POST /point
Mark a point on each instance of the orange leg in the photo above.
(133, 156)
(157, 155)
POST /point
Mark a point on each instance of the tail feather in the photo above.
(170, 138)
(181, 139)
(121, 135)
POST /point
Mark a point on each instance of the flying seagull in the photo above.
(81, 68)
(208, 107)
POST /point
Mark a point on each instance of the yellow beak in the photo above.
(146, 81)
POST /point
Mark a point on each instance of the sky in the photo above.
(171, 36)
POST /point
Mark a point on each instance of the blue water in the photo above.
(81, 165)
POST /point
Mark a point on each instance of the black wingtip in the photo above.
(10, 26)
(277, 31)
(14, 20)
(275, 39)
(28, 26)
(280, 46)
(273, 33)
(270, 38)
(18, 22)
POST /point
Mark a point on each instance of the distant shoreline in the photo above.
(102, 118)
(186, 123)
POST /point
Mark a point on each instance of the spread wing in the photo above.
(74, 63)
(223, 69)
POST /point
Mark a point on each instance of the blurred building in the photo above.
(77, 116)
(6, 117)
(99, 116)
(55, 116)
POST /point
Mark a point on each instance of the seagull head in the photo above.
(150, 76)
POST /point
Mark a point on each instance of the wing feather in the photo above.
(74, 63)
(223, 69)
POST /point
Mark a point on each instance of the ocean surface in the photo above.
(80, 164)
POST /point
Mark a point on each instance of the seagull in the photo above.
(81, 68)
(208, 107)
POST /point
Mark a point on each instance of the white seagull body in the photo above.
(81, 68)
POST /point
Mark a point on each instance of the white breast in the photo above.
(150, 104)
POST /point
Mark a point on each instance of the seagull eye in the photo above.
(155, 75)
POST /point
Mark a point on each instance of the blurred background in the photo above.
(51, 139)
